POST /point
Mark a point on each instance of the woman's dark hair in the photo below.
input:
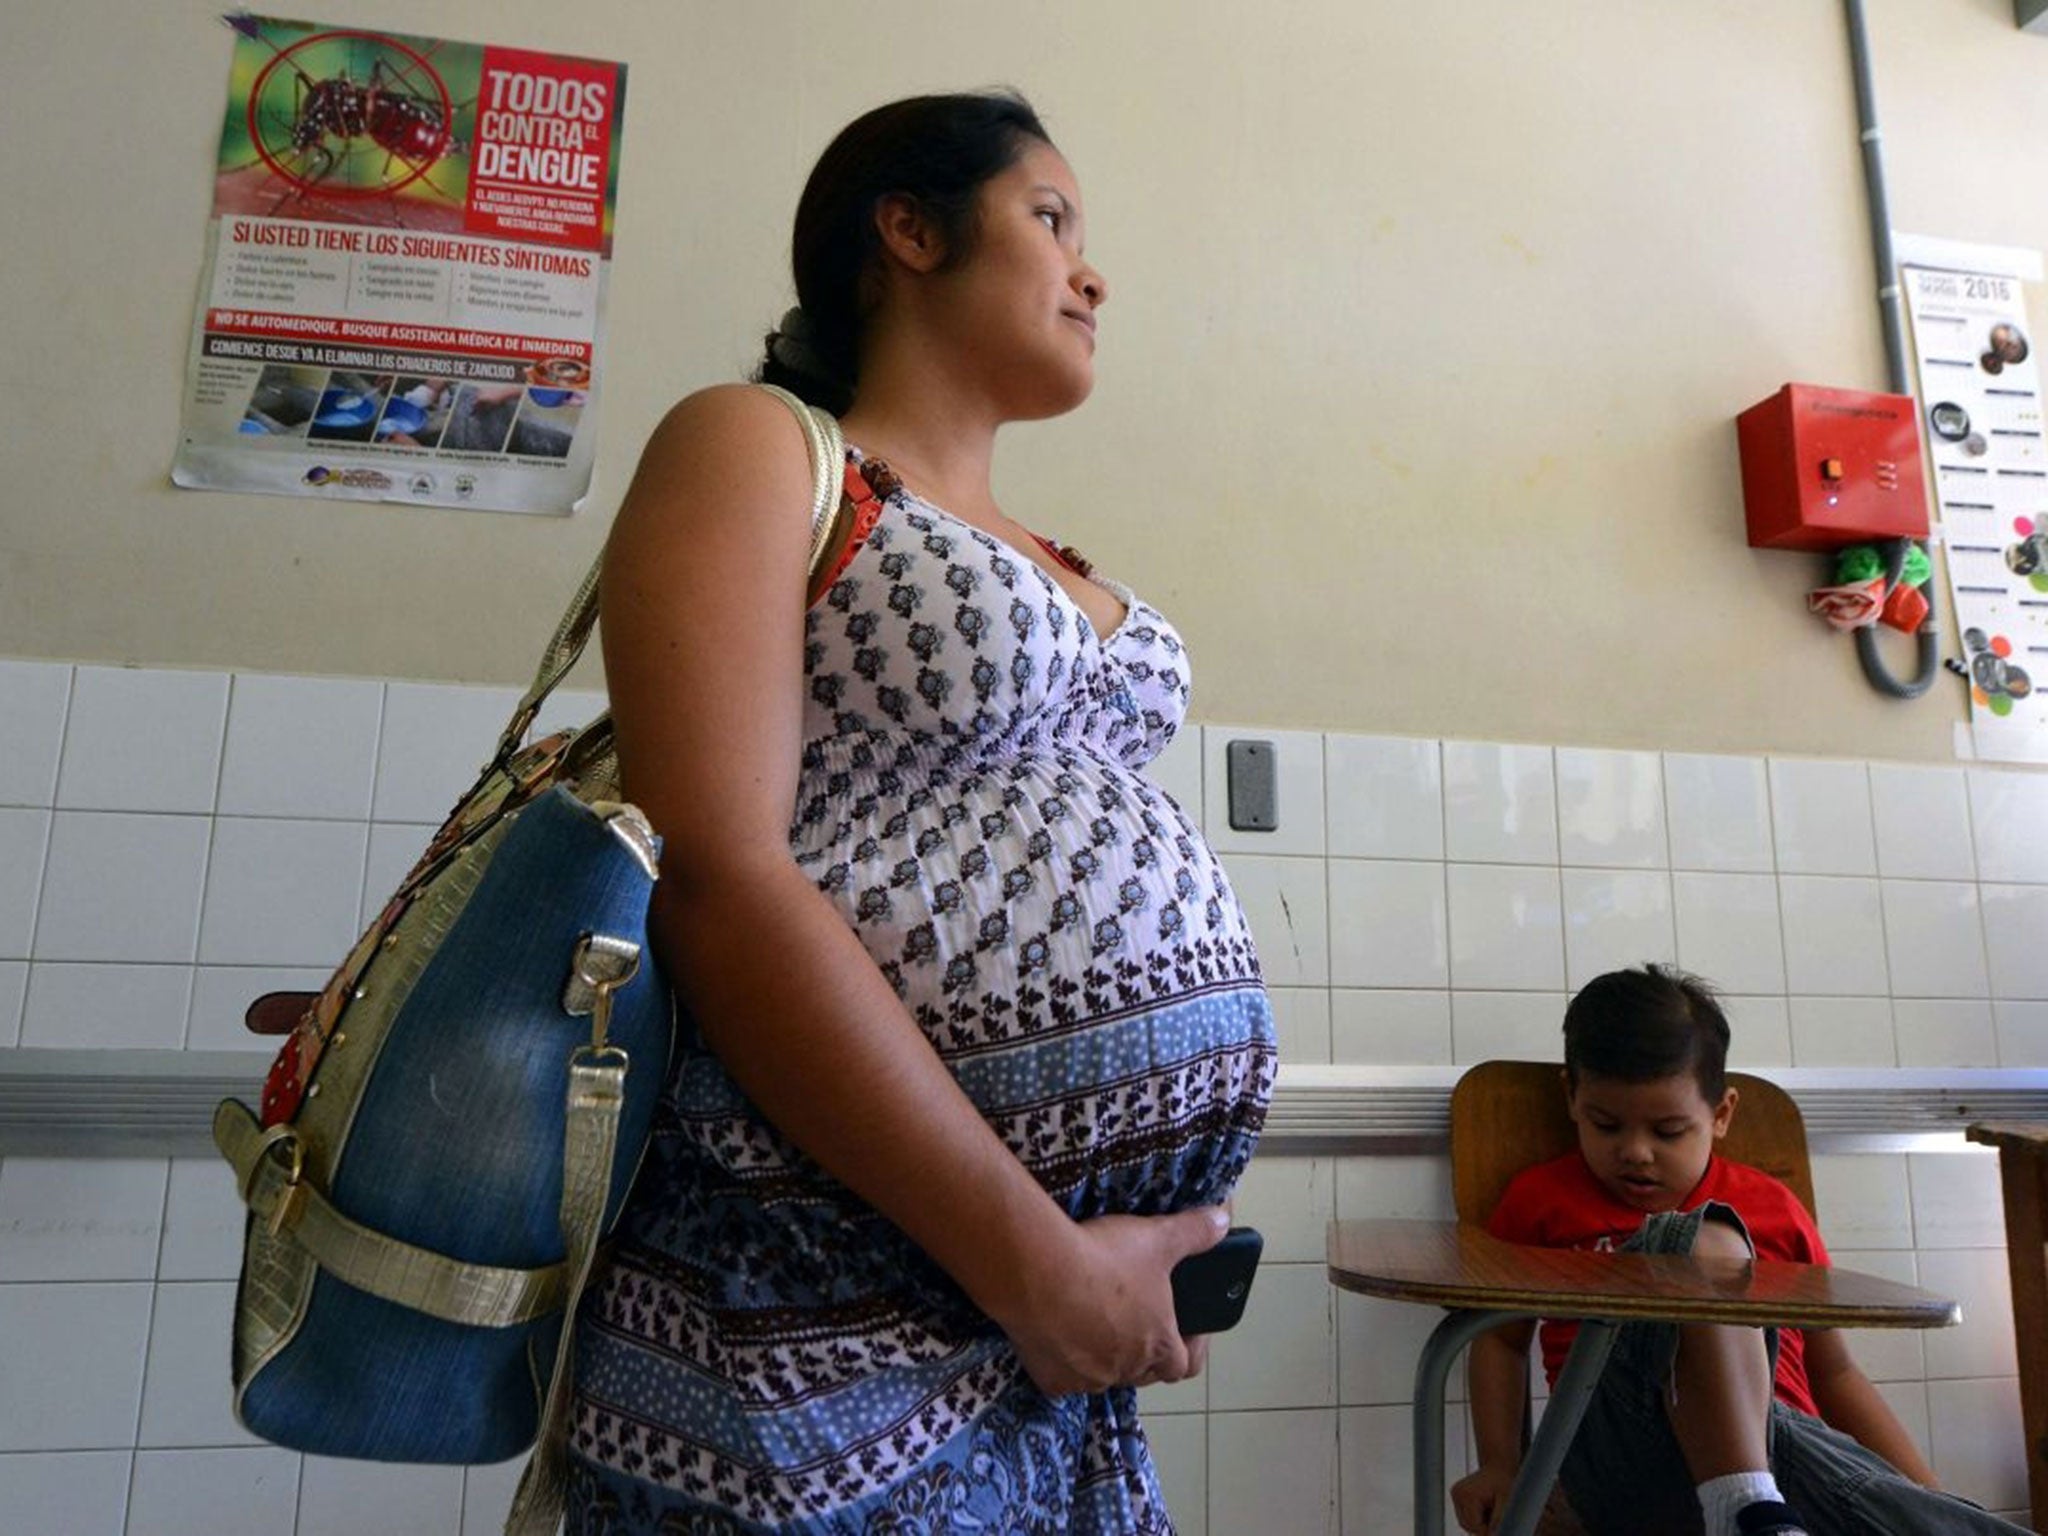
(1639, 1025)
(937, 150)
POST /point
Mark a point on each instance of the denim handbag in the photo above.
(452, 1126)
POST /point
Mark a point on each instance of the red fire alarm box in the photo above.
(1826, 467)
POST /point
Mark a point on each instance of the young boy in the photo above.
(1694, 1428)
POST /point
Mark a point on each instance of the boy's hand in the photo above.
(1480, 1498)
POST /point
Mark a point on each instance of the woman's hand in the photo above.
(1101, 1314)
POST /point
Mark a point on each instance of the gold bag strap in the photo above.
(828, 457)
(481, 1295)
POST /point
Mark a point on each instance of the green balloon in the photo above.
(1857, 563)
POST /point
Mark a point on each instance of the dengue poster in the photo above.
(403, 294)
(1981, 389)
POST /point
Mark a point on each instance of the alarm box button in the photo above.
(1831, 470)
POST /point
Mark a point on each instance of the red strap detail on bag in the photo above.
(858, 488)
(1068, 556)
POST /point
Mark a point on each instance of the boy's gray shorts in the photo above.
(1626, 1476)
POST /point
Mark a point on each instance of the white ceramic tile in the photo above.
(1181, 1397)
(1820, 817)
(1287, 905)
(221, 995)
(66, 1493)
(1729, 931)
(1404, 1187)
(203, 1221)
(1760, 1031)
(88, 1006)
(74, 1365)
(2015, 920)
(1865, 1200)
(13, 990)
(436, 739)
(1298, 791)
(1720, 812)
(1613, 919)
(1301, 1023)
(1834, 935)
(1292, 1201)
(187, 1398)
(1934, 942)
(33, 695)
(142, 740)
(1507, 1026)
(1610, 809)
(80, 1218)
(1506, 927)
(24, 834)
(1274, 1472)
(346, 1498)
(487, 1496)
(282, 892)
(1885, 1354)
(1500, 803)
(395, 846)
(1388, 924)
(1976, 1442)
(1944, 1032)
(1957, 1202)
(120, 887)
(2022, 1031)
(1908, 1403)
(1283, 1353)
(2008, 810)
(1379, 1342)
(1178, 771)
(239, 1492)
(1386, 798)
(1982, 1344)
(1923, 822)
(1379, 1483)
(1843, 1032)
(1180, 1451)
(300, 746)
(1390, 1027)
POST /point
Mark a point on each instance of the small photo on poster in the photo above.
(349, 407)
(417, 412)
(547, 423)
(481, 419)
(283, 401)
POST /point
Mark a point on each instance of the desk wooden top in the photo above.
(2009, 1135)
(1451, 1264)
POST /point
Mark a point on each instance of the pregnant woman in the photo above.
(973, 1045)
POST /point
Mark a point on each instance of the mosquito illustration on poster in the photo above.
(346, 126)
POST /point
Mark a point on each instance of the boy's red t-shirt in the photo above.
(1559, 1204)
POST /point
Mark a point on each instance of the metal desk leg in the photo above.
(1446, 1341)
(1568, 1400)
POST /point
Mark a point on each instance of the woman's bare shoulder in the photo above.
(733, 447)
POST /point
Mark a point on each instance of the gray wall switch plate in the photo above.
(1250, 771)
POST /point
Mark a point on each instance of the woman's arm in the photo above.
(703, 616)
(1849, 1402)
(1497, 1373)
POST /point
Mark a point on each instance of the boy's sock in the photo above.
(1745, 1504)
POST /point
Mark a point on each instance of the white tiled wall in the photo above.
(173, 844)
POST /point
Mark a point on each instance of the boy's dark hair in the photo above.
(1638, 1025)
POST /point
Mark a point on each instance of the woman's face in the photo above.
(1023, 302)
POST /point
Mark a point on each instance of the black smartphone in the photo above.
(1210, 1288)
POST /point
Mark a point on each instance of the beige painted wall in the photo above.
(1427, 328)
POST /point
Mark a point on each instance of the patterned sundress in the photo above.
(765, 1352)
